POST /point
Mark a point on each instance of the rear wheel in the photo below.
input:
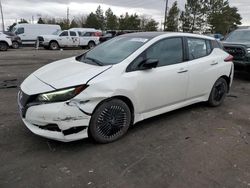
(3, 46)
(91, 45)
(53, 45)
(110, 121)
(218, 92)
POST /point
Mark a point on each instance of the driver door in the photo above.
(65, 40)
(166, 84)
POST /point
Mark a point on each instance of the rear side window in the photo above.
(65, 33)
(197, 48)
(73, 34)
(87, 34)
(209, 46)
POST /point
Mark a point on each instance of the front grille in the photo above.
(239, 53)
(23, 102)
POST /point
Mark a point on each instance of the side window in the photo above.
(65, 33)
(167, 51)
(73, 34)
(87, 34)
(197, 48)
(20, 30)
(209, 47)
(79, 33)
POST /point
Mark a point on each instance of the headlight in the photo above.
(248, 50)
(60, 95)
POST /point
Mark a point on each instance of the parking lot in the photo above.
(196, 146)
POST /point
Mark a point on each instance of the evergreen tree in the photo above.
(40, 21)
(223, 18)
(151, 25)
(100, 24)
(111, 20)
(92, 21)
(73, 24)
(173, 18)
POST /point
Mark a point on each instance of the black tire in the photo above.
(3, 46)
(110, 121)
(218, 93)
(15, 45)
(91, 45)
(53, 45)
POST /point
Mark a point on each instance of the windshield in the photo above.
(113, 51)
(239, 36)
(57, 32)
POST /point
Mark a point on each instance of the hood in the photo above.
(246, 44)
(68, 72)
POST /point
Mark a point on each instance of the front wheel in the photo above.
(3, 46)
(15, 45)
(54, 45)
(110, 121)
(218, 92)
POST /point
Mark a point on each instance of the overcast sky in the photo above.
(16, 9)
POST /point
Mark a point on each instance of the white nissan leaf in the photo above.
(123, 81)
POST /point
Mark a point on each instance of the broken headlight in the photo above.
(60, 95)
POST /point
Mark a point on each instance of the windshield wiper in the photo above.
(95, 61)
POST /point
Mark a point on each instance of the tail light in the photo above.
(229, 58)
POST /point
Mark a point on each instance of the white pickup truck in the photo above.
(67, 38)
(5, 42)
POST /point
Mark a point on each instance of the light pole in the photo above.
(166, 13)
(1, 9)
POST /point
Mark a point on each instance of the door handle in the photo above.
(214, 63)
(182, 71)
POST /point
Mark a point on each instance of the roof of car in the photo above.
(151, 35)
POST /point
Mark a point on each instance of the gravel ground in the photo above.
(196, 146)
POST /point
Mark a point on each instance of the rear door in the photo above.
(75, 39)
(203, 68)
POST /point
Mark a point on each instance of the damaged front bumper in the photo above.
(58, 121)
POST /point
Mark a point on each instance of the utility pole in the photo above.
(1, 8)
(68, 17)
(166, 13)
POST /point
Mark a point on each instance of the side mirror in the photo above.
(148, 64)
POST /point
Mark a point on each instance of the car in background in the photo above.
(217, 36)
(114, 33)
(29, 32)
(67, 39)
(16, 40)
(125, 80)
(238, 45)
(5, 42)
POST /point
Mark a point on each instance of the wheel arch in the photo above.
(54, 41)
(227, 80)
(125, 99)
(5, 42)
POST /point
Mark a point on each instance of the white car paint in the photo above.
(67, 41)
(152, 92)
(4, 38)
(29, 32)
